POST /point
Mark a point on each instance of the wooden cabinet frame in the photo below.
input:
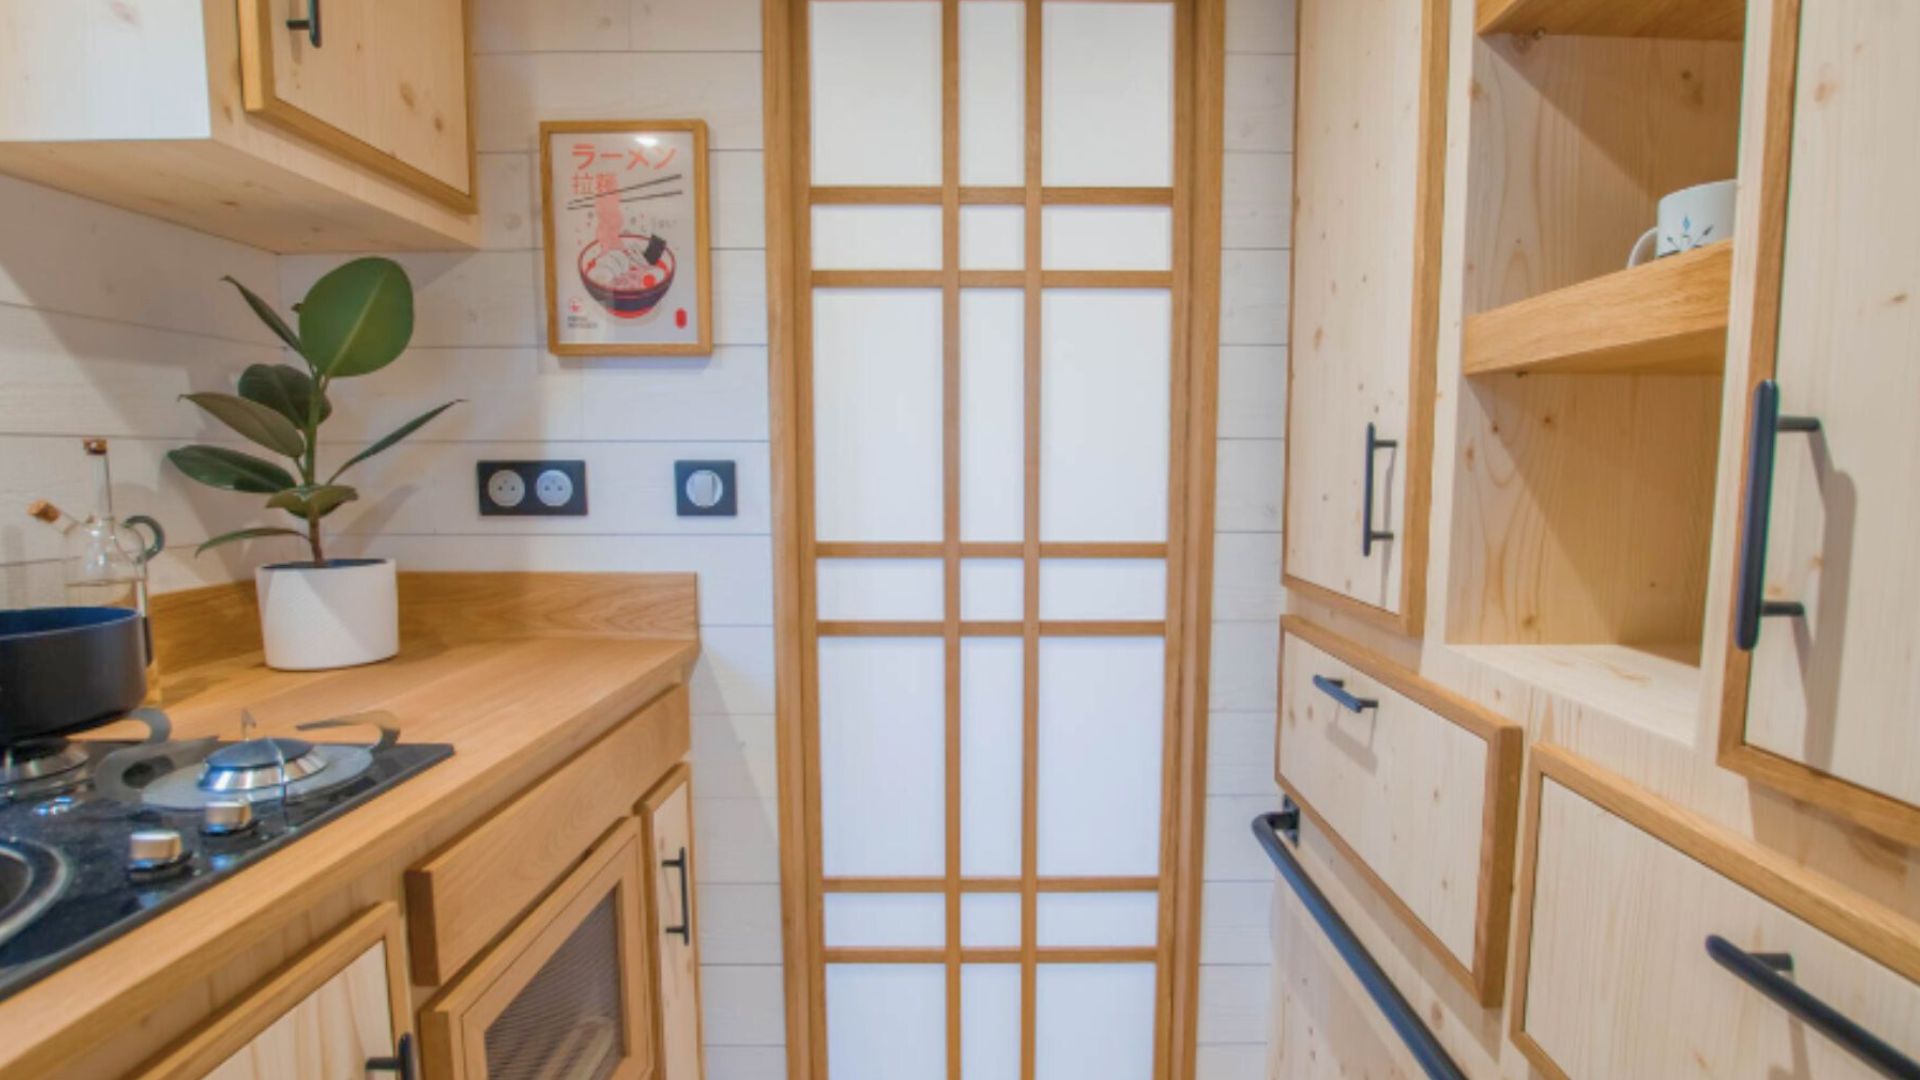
(1485, 977)
(266, 1003)
(257, 27)
(679, 780)
(453, 1027)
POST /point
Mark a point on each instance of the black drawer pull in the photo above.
(684, 930)
(1426, 1049)
(1768, 973)
(311, 24)
(1337, 690)
(400, 1064)
(1762, 439)
(1369, 535)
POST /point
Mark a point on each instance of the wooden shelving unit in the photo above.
(1700, 20)
(1665, 317)
(1657, 690)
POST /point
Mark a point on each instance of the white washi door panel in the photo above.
(990, 1022)
(887, 1021)
(991, 752)
(1107, 104)
(1103, 589)
(876, 238)
(1106, 238)
(1102, 722)
(876, 92)
(992, 590)
(990, 921)
(1106, 371)
(885, 920)
(993, 92)
(1094, 1021)
(993, 237)
(992, 414)
(1098, 920)
(880, 589)
(882, 757)
(876, 413)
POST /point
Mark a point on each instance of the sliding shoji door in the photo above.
(991, 382)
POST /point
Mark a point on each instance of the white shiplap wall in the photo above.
(1235, 953)
(106, 316)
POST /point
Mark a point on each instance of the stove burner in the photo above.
(39, 759)
(260, 763)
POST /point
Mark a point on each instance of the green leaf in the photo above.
(266, 313)
(402, 432)
(315, 501)
(255, 421)
(283, 388)
(245, 534)
(217, 466)
(357, 319)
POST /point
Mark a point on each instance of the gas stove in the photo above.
(98, 836)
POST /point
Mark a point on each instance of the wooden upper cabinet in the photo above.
(1823, 689)
(383, 84)
(1369, 142)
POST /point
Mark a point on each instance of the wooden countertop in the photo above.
(512, 709)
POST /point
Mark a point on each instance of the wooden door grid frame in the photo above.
(1195, 200)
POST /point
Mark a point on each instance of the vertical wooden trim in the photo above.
(1030, 560)
(950, 506)
(787, 176)
(1202, 198)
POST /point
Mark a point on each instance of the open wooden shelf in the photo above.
(1668, 316)
(1701, 20)
(1656, 689)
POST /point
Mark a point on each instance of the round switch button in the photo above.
(705, 489)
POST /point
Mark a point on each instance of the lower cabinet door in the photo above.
(666, 818)
(564, 995)
(1654, 944)
(338, 1012)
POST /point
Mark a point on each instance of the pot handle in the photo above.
(156, 542)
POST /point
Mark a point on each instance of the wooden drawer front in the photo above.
(1419, 788)
(463, 897)
(325, 1015)
(565, 993)
(1620, 895)
(666, 822)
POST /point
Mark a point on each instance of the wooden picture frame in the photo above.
(628, 307)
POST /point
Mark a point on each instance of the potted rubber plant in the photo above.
(318, 612)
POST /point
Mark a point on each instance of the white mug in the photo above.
(1689, 218)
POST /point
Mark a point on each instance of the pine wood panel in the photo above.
(1619, 893)
(666, 825)
(335, 1006)
(1420, 792)
(1707, 19)
(1369, 142)
(1825, 707)
(1668, 316)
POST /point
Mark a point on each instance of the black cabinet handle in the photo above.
(1762, 438)
(1767, 973)
(311, 24)
(1368, 534)
(685, 928)
(1425, 1049)
(400, 1064)
(1337, 690)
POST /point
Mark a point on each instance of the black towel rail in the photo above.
(1426, 1050)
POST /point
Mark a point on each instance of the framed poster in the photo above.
(629, 271)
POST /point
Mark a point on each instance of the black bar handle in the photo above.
(1763, 435)
(1768, 973)
(400, 1064)
(685, 927)
(1368, 534)
(1337, 690)
(311, 24)
(1426, 1050)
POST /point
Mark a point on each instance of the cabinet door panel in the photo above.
(667, 814)
(1368, 138)
(1834, 695)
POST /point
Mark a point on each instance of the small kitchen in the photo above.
(963, 539)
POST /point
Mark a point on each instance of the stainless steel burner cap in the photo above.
(260, 763)
(38, 759)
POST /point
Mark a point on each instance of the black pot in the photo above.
(63, 669)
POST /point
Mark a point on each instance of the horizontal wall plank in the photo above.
(514, 92)
(1253, 297)
(696, 25)
(1250, 488)
(742, 1006)
(1259, 103)
(551, 26)
(1257, 200)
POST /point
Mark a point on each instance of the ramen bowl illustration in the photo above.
(631, 280)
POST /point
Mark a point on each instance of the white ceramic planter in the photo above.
(339, 615)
